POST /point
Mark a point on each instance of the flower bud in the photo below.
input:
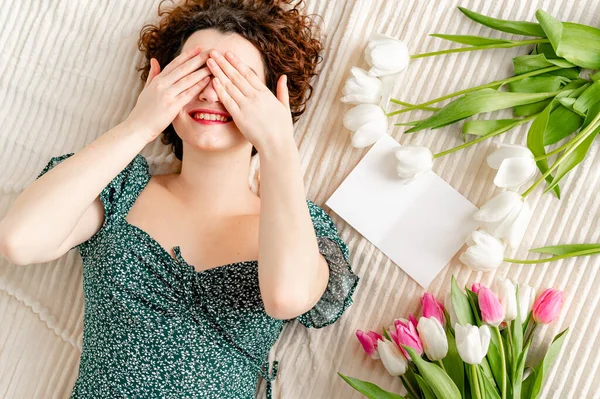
(412, 161)
(492, 311)
(386, 55)
(547, 306)
(485, 252)
(361, 88)
(433, 337)
(472, 343)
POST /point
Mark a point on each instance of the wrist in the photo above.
(276, 148)
(138, 130)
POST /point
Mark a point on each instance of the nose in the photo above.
(208, 94)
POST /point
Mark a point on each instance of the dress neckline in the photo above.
(179, 259)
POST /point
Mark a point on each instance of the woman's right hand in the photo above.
(166, 92)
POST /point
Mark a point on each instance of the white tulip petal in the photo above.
(507, 151)
(367, 135)
(361, 114)
(499, 207)
(519, 227)
(514, 172)
(391, 357)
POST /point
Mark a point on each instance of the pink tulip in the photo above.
(369, 342)
(406, 334)
(413, 320)
(475, 287)
(492, 311)
(432, 308)
(547, 306)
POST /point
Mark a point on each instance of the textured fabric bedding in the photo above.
(67, 74)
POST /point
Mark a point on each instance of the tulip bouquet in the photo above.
(476, 347)
(547, 89)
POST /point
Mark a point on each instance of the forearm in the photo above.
(48, 210)
(292, 272)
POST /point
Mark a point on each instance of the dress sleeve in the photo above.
(342, 280)
(118, 195)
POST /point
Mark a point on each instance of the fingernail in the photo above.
(215, 54)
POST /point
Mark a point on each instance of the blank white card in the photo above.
(420, 226)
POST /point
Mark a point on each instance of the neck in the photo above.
(216, 182)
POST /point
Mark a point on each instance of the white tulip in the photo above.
(526, 299)
(412, 161)
(386, 55)
(472, 342)
(507, 295)
(515, 165)
(361, 88)
(485, 252)
(450, 309)
(433, 337)
(506, 216)
(368, 122)
(391, 357)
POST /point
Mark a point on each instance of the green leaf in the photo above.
(595, 77)
(481, 127)
(562, 123)
(542, 369)
(517, 377)
(453, 363)
(516, 336)
(439, 382)
(587, 98)
(531, 109)
(528, 63)
(369, 389)
(494, 359)
(491, 391)
(538, 84)
(460, 302)
(569, 73)
(484, 100)
(518, 27)
(535, 142)
(579, 153)
(577, 43)
(427, 392)
(565, 249)
(471, 40)
(474, 303)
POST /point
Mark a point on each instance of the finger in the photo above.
(226, 84)
(226, 99)
(151, 73)
(188, 81)
(185, 96)
(283, 94)
(245, 71)
(233, 74)
(180, 59)
(186, 68)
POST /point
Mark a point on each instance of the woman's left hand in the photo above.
(261, 117)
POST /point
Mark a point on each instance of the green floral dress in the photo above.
(154, 327)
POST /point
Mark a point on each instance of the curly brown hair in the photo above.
(290, 43)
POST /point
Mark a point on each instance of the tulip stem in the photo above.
(405, 104)
(513, 43)
(572, 145)
(441, 365)
(496, 83)
(502, 359)
(475, 381)
(585, 252)
(486, 136)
